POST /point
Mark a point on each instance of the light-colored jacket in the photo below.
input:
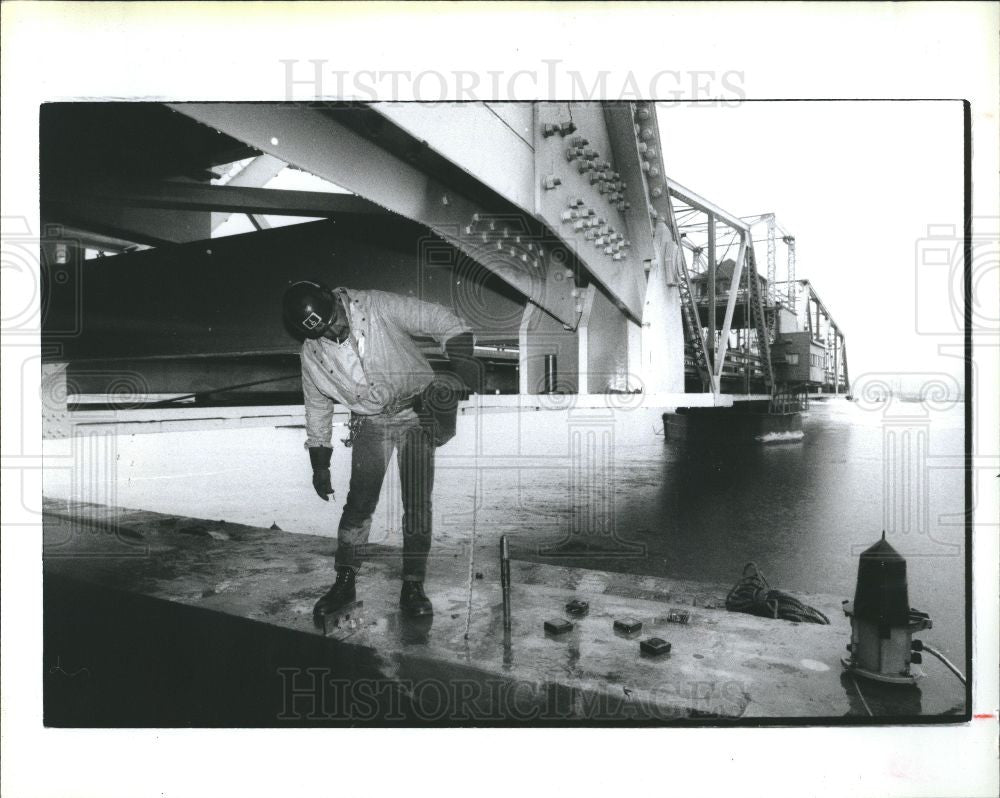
(382, 330)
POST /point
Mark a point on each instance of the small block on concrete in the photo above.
(628, 626)
(654, 646)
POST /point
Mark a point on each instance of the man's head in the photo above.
(314, 310)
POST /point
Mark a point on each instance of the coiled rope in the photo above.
(753, 595)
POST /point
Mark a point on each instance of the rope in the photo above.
(753, 595)
(946, 661)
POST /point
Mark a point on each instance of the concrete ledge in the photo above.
(167, 419)
(222, 614)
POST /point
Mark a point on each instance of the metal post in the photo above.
(847, 377)
(836, 363)
(505, 580)
(771, 264)
(711, 293)
(550, 374)
(790, 243)
(746, 315)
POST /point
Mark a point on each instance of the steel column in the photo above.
(711, 292)
(836, 363)
(790, 243)
(772, 268)
(734, 290)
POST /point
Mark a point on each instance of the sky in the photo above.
(857, 184)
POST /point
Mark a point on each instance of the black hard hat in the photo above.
(309, 307)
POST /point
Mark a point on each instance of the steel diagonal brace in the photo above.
(727, 323)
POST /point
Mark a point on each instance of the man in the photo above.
(359, 351)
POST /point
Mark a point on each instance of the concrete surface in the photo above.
(723, 666)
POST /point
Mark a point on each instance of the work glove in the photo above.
(320, 456)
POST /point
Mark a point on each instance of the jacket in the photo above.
(382, 329)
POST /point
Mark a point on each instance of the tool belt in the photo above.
(436, 407)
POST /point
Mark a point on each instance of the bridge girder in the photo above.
(515, 156)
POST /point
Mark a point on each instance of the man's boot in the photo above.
(413, 601)
(340, 595)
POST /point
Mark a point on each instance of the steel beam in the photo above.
(790, 277)
(227, 199)
(711, 291)
(772, 268)
(734, 290)
(836, 363)
(312, 140)
(495, 150)
(692, 199)
(819, 304)
(255, 174)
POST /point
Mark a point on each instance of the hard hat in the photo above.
(309, 307)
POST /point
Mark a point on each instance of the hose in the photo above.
(946, 661)
(753, 595)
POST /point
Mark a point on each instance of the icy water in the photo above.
(601, 489)
(804, 510)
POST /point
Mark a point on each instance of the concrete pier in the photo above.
(155, 619)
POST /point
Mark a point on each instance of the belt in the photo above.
(399, 406)
(393, 408)
(357, 419)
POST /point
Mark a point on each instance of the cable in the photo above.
(175, 399)
(946, 661)
(861, 695)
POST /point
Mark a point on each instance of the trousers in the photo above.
(375, 438)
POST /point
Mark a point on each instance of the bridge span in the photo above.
(554, 228)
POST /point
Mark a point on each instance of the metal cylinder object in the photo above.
(505, 580)
(550, 374)
(882, 622)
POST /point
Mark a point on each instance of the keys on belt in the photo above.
(356, 420)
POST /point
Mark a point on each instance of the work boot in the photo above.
(413, 601)
(340, 595)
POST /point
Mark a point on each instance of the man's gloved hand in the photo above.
(320, 456)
